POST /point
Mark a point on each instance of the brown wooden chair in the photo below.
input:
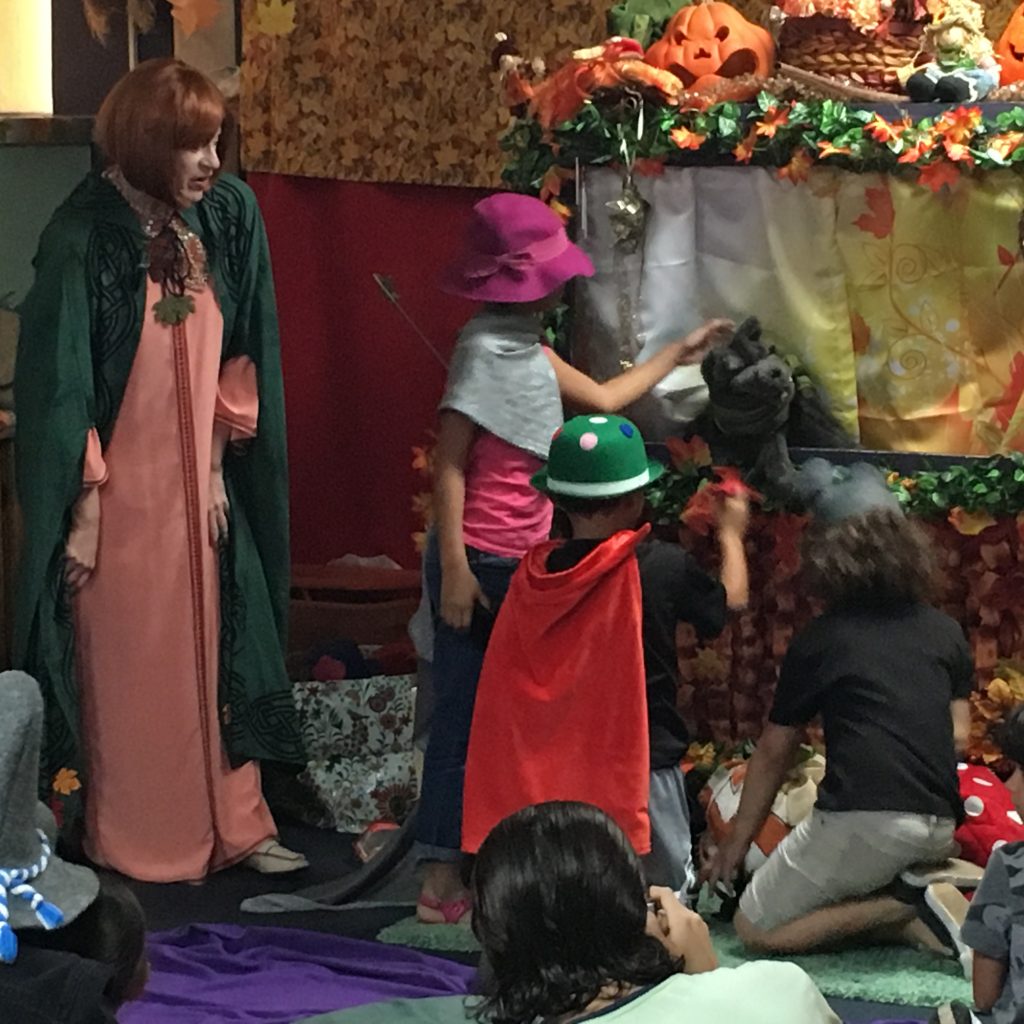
(364, 605)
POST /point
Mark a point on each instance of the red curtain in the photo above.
(361, 388)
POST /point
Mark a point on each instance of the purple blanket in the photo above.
(227, 974)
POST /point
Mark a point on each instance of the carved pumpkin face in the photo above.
(705, 43)
(1010, 49)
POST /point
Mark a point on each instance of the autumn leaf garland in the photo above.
(791, 136)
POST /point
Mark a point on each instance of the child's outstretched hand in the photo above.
(733, 513)
(697, 344)
(681, 931)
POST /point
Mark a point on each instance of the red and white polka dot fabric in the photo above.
(991, 819)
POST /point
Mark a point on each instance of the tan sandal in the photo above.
(271, 858)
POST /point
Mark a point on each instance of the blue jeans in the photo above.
(458, 658)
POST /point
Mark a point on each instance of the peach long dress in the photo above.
(164, 804)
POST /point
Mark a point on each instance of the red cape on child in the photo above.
(561, 708)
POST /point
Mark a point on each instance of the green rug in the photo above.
(880, 974)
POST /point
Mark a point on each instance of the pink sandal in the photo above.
(453, 911)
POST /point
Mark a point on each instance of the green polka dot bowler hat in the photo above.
(597, 457)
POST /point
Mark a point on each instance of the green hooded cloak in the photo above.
(80, 328)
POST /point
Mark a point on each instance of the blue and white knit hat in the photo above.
(37, 888)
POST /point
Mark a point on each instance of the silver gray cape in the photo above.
(501, 378)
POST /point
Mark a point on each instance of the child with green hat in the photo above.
(577, 698)
(504, 397)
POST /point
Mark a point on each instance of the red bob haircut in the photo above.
(160, 107)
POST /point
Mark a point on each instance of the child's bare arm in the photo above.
(961, 712)
(733, 517)
(460, 590)
(584, 394)
(989, 979)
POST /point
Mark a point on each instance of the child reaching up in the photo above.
(577, 698)
(503, 402)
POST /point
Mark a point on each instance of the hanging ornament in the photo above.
(628, 216)
(628, 213)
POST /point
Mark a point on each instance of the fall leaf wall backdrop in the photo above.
(378, 90)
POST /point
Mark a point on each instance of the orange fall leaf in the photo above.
(194, 15)
(879, 220)
(939, 174)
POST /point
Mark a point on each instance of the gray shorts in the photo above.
(670, 862)
(833, 856)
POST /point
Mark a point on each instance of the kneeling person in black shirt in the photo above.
(890, 676)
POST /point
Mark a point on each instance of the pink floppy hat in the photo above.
(516, 250)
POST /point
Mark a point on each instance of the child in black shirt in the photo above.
(889, 675)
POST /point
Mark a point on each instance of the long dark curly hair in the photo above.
(560, 909)
(875, 559)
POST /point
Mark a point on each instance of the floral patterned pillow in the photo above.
(359, 740)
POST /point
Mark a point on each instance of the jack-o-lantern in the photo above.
(1010, 49)
(706, 43)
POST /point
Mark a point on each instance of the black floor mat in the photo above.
(217, 900)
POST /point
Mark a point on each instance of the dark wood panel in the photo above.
(85, 69)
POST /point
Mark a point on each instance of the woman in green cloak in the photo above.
(152, 477)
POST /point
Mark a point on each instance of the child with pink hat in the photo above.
(502, 404)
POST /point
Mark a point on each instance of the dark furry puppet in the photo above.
(758, 408)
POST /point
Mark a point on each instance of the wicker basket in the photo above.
(834, 48)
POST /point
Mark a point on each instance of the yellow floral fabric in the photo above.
(935, 286)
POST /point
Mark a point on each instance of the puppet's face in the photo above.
(746, 374)
(951, 40)
(194, 173)
(1010, 49)
(708, 42)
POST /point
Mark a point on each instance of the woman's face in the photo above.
(193, 173)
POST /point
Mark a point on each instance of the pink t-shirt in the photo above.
(503, 515)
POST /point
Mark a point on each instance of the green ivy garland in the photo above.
(776, 131)
(993, 486)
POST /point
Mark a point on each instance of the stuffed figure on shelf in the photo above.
(515, 72)
(610, 68)
(956, 64)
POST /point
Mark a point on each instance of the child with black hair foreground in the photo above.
(577, 699)
(110, 935)
(561, 913)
